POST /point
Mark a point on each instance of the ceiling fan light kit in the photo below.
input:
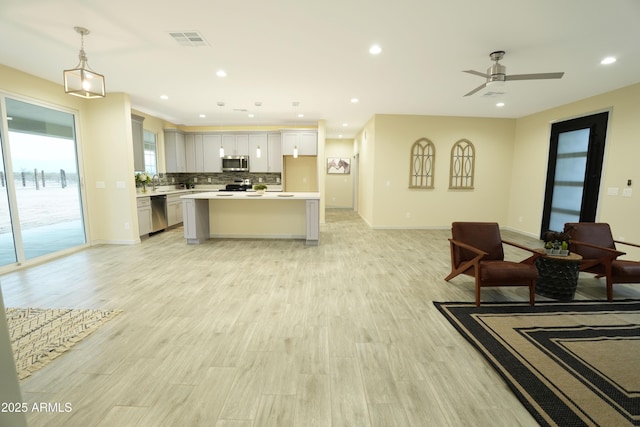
(82, 81)
(496, 75)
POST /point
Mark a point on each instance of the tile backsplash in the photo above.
(219, 178)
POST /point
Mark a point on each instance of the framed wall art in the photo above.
(339, 165)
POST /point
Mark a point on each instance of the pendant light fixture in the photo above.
(295, 152)
(82, 81)
(258, 152)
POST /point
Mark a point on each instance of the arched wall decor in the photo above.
(423, 159)
(463, 156)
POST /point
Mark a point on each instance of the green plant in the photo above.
(143, 178)
(556, 240)
(259, 187)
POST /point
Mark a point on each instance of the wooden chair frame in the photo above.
(473, 265)
(608, 256)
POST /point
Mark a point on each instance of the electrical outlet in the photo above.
(195, 179)
(209, 180)
(126, 225)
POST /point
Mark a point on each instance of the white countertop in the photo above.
(162, 192)
(252, 195)
(199, 189)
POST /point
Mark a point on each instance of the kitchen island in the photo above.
(247, 214)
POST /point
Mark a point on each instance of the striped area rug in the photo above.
(40, 335)
(570, 364)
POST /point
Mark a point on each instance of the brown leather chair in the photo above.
(595, 243)
(476, 250)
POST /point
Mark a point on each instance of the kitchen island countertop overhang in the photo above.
(204, 215)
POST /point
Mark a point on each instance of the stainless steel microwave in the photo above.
(235, 164)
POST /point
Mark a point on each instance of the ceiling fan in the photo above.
(497, 74)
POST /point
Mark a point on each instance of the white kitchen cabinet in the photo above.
(196, 220)
(194, 155)
(174, 146)
(258, 164)
(137, 131)
(236, 144)
(211, 153)
(144, 215)
(274, 154)
(174, 209)
(305, 141)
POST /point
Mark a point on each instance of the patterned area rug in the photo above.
(570, 364)
(40, 335)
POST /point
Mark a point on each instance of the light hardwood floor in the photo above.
(271, 333)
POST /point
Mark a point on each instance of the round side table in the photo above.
(557, 275)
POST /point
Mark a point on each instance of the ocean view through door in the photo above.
(576, 153)
(43, 213)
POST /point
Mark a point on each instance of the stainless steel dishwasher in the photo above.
(158, 212)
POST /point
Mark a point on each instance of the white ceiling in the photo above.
(316, 53)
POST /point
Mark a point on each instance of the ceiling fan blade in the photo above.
(476, 89)
(476, 73)
(534, 76)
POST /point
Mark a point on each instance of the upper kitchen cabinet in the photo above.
(258, 144)
(211, 153)
(236, 144)
(305, 141)
(193, 148)
(138, 142)
(274, 144)
(174, 146)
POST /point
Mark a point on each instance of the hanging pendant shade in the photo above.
(82, 81)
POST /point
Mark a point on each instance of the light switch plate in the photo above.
(612, 191)
(626, 192)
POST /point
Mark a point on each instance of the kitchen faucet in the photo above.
(153, 182)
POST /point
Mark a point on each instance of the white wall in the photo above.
(105, 148)
(622, 151)
(386, 182)
(339, 187)
(9, 386)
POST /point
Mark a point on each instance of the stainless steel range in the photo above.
(238, 185)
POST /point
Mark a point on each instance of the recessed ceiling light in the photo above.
(608, 60)
(339, 136)
(203, 116)
(164, 97)
(221, 73)
(375, 50)
(345, 124)
(251, 115)
(300, 115)
(500, 104)
(220, 104)
(354, 100)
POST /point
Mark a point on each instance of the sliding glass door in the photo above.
(7, 244)
(43, 181)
